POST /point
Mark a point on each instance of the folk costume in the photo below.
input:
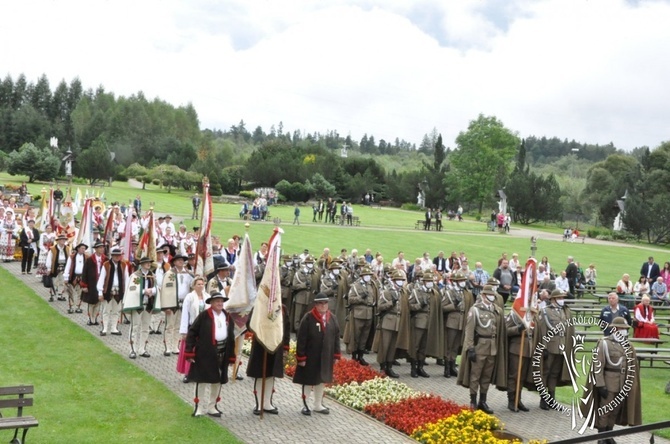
(89, 283)
(72, 276)
(140, 300)
(174, 288)
(110, 288)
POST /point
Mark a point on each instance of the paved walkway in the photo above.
(290, 426)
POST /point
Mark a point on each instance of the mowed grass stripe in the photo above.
(84, 392)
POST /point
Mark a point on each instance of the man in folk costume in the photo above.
(174, 288)
(188, 244)
(484, 357)
(110, 287)
(210, 346)
(140, 300)
(426, 312)
(454, 317)
(393, 327)
(555, 370)
(515, 326)
(363, 297)
(318, 346)
(56, 261)
(305, 284)
(274, 366)
(28, 238)
(72, 276)
(159, 269)
(221, 282)
(614, 366)
(89, 282)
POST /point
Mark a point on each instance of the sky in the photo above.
(597, 71)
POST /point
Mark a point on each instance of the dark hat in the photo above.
(116, 251)
(557, 294)
(145, 259)
(167, 216)
(309, 260)
(488, 290)
(321, 297)
(619, 322)
(191, 255)
(161, 218)
(427, 276)
(493, 281)
(216, 295)
(223, 267)
(398, 275)
(163, 248)
(458, 276)
(98, 244)
(178, 256)
(61, 237)
(81, 244)
(305, 250)
(366, 271)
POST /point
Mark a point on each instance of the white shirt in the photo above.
(191, 308)
(562, 284)
(78, 265)
(220, 327)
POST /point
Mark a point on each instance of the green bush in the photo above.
(593, 233)
(248, 194)
(156, 182)
(410, 207)
(121, 176)
(604, 237)
(478, 217)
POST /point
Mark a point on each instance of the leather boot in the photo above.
(602, 441)
(610, 440)
(510, 402)
(553, 397)
(389, 371)
(543, 404)
(361, 360)
(382, 367)
(447, 373)
(453, 371)
(421, 372)
(522, 407)
(439, 361)
(483, 406)
(413, 372)
(473, 402)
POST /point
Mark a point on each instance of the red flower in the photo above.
(346, 371)
(410, 413)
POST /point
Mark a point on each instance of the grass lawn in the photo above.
(388, 231)
(84, 392)
(655, 403)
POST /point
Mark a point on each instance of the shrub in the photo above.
(155, 182)
(410, 207)
(121, 176)
(247, 194)
(593, 233)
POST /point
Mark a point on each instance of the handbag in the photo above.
(47, 281)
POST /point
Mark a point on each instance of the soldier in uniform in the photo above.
(554, 366)
(110, 287)
(305, 283)
(174, 288)
(614, 365)
(363, 298)
(515, 326)
(334, 285)
(286, 273)
(57, 258)
(453, 308)
(484, 357)
(221, 282)
(342, 304)
(393, 326)
(426, 315)
(139, 299)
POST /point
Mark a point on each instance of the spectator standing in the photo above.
(665, 272)
(196, 206)
(296, 215)
(58, 198)
(650, 270)
(507, 280)
(572, 273)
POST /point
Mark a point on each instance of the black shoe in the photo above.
(305, 411)
(145, 355)
(361, 360)
(70, 311)
(158, 332)
(389, 371)
(395, 362)
(96, 323)
(543, 404)
(167, 353)
(126, 321)
(484, 407)
(151, 332)
(116, 333)
(78, 310)
(214, 415)
(89, 323)
(453, 371)
(325, 411)
(522, 407)
(421, 372)
(61, 298)
(185, 380)
(439, 361)
(102, 333)
(272, 411)
(446, 372)
(239, 377)
(413, 372)
(132, 355)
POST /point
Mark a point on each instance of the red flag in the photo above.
(526, 298)
(108, 236)
(128, 236)
(205, 262)
(267, 322)
(85, 234)
(147, 244)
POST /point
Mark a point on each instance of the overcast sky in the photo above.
(597, 71)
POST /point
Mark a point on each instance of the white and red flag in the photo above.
(205, 261)
(526, 299)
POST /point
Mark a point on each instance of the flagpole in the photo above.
(517, 391)
(265, 364)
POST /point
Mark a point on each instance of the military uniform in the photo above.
(453, 308)
(305, 284)
(286, 273)
(484, 358)
(393, 327)
(553, 317)
(421, 305)
(363, 298)
(515, 326)
(331, 281)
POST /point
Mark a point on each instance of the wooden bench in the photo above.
(18, 422)
(651, 355)
(356, 221)
(421, 224)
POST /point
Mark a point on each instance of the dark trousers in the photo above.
(27, 259)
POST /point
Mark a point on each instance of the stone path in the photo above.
(343, 425)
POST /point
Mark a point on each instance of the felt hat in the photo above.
(321, 297)
(216, 295)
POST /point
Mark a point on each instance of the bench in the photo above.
(421, 225)
(651, 355)
(356, 221)
(18, 422)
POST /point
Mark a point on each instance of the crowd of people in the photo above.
(444, 307)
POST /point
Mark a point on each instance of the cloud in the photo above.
(590, 70)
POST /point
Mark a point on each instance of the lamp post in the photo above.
(533, 246)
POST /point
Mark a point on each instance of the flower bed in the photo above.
(347, 371)
(409, 414)
(374, 391)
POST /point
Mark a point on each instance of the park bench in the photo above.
(356, 221)
(18, 400)
(652, 355)
(421, 224)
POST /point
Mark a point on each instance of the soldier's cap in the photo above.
(81, 244)
(116, 252)
(223, 267)
(388, 268)
(285, 257)
(305, 251)
(362, 261)
(178, 256)
(320, 297)
(334, 266)
(493, 281)
(309, 260)
(216, 295)
(366, 271)
(619, 322)
(556, 293)
(398, 275)
(427, 277)
(98, 244)
(145, 260)
(296, 256)
(488, 289)
(458, 276)
(61, 237)
(337, 260)
(167, 216)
